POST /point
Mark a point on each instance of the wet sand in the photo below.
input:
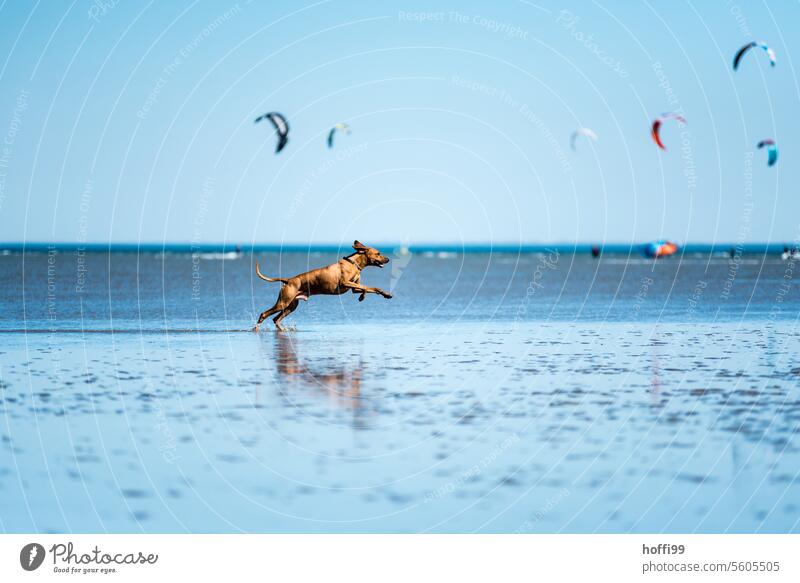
(462, 427)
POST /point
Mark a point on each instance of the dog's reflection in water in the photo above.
(339, 382)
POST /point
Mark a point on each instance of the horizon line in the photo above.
(151, 246)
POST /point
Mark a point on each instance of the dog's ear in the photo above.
(359, 247)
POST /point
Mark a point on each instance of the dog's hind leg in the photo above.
(266, 314)
(286, 296)
(285, 312)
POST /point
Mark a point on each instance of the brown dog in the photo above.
(333, 280)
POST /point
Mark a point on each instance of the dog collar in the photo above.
(351, 261)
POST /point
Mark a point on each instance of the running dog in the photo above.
(333, 280)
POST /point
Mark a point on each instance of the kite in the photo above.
(661, 248)
(341, 127)
(657, 126)
(582, 132)
(772, 151)
(741, 52)
(281, 126)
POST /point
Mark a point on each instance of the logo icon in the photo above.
(31, 556)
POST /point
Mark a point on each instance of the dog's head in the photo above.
(373, 256)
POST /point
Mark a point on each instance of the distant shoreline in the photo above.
(504, 248)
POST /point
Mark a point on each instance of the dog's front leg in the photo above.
(357, 287)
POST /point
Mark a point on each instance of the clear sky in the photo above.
(132, 121)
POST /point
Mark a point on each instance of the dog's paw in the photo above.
(387, 295)
(361, 297)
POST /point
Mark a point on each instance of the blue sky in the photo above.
(133, 121)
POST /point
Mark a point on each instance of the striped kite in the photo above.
(741, 52)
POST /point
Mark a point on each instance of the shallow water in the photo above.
(494, 393)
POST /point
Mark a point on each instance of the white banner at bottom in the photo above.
(371, 558)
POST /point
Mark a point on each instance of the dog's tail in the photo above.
(271, 279)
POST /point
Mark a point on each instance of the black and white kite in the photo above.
(281, 127)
